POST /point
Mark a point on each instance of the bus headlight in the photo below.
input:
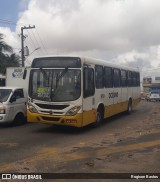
(2, 110)
(73, 111)
(32, 108)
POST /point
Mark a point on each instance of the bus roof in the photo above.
(89, 60)
(109, 64)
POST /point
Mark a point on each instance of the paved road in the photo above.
(124, 143)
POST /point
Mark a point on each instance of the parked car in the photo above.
(13, 97)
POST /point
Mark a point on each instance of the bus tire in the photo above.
(129, 108)
(99, 117)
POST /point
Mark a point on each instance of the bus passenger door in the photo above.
(89, 114)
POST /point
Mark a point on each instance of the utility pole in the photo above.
(22, 43)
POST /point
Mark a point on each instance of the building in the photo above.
(151, 83)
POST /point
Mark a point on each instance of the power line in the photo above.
(36, 41)
(41, 41)
(30, 37)
(32, 42)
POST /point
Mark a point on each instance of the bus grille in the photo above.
(50, 118)
(47, 106)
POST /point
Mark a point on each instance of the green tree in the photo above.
(3, 45)
(7, 60)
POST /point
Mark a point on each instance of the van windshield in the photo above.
(4, 94)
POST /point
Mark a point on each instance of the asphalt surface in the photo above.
(122, 144)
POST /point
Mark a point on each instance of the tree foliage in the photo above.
(7, 57)
(3, 45)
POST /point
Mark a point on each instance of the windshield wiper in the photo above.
(61, 75)
(58, 77)
(44, 73)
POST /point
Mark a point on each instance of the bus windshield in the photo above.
(55, 85)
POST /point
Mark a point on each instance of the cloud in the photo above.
(11, 38)
(126, 30)
(23, 4)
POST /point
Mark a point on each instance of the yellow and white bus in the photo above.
(77, 91)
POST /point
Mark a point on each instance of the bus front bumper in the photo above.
(75, 120)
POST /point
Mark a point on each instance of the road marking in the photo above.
(41, 155)
(57, 155)
(113, 150)
(8, 144)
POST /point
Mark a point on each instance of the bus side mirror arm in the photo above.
(24, 74)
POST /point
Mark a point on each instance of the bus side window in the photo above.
(130, 79)
(116, 78)
(134, 77)
(89, 88)
(99, 76)
(123, 78)
(138, 80)
(108, 78)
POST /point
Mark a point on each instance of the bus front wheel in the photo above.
(99, 118)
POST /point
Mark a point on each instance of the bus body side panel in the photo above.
(115, 109)
(117, 100)
(136, 96)
(89, 116)
(124, 104)
(108, 102)
(130, 93)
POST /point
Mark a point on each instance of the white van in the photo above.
(13, 102)
(13, 97)
(154, 97)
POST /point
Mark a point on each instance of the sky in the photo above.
(121, 31)
(10, 9)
